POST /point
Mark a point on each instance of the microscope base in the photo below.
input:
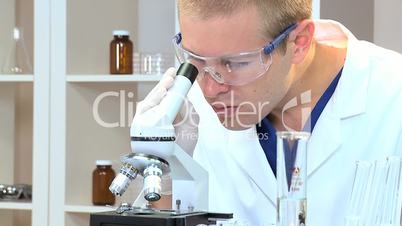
(167, 218)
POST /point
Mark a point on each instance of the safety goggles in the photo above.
(234, 69)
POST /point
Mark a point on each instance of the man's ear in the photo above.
(301, 38)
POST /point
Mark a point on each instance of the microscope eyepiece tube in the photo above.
(189, 71)
(172, 102)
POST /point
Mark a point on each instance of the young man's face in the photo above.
(237, 107)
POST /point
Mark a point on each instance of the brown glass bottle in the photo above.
(121, 53)
(102, 177)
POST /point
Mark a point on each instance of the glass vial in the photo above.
(121, 53)
(102, 177)
(17, 60)
(291, 174)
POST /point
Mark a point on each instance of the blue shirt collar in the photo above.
(267, 132)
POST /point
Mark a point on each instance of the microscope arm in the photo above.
(185, 168)
(155, 152)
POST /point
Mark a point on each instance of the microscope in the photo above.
(154, 155)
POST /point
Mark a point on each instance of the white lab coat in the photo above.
(361, 121)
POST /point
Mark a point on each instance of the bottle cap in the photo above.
(103, 162)
(121, 33)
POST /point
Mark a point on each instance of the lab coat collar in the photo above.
(348, 100)
(353, 87)
(350, 97)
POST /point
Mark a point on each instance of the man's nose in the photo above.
(211, 87)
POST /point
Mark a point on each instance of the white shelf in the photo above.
(113, 78)
(16, 205)
(88, 209)
(16, 78)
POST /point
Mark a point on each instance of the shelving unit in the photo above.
(87, 209)
(112, 78)
(92, 110)
(16, 130)
(16, 205)
(16, 78)
(24, 100)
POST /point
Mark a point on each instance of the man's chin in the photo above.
(231, 123)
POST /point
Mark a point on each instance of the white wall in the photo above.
(23, 133)
(156, 30)
(89, 32)
(388, 24)
(356, 15)
(24, 15)
(7, 22)
(378, 21)
(7, 110)
(7, 117)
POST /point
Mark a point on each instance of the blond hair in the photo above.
(276, 15)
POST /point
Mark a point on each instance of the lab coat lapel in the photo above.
(250, 157)
(242, 146)
(324, 141)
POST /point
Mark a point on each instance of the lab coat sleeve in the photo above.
(398, 149)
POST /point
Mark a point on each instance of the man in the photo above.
(314, 76)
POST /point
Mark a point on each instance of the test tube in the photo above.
(362, 175)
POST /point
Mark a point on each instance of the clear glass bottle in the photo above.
(17, 60)
(121, 53)
(102, 177)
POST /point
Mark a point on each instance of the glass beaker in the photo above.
(291, 176)
(155, 63)
(17, 60)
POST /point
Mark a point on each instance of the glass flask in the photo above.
(17, 60)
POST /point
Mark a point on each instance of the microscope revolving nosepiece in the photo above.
(151, 167)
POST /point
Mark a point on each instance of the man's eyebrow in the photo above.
(190, 51)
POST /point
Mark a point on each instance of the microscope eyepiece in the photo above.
(189, 71)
